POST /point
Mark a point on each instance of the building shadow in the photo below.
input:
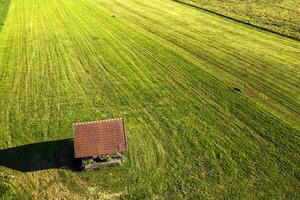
(40, 156)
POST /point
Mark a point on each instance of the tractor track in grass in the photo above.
(166, 69)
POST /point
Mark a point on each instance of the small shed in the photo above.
(99, 143)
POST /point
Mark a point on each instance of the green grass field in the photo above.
(4, 5)
(275, 15)
(170, 70)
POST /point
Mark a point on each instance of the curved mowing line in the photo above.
(237, 20)
(4, 7)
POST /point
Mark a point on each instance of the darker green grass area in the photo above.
(6, 192)
(4, 6)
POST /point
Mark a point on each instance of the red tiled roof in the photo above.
(98, 138)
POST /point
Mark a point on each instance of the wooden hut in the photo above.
(99, 143)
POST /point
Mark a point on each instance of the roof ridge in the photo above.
(99, 121)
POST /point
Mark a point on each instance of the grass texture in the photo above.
(275, 15)
(211, 106)
(4, 5)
